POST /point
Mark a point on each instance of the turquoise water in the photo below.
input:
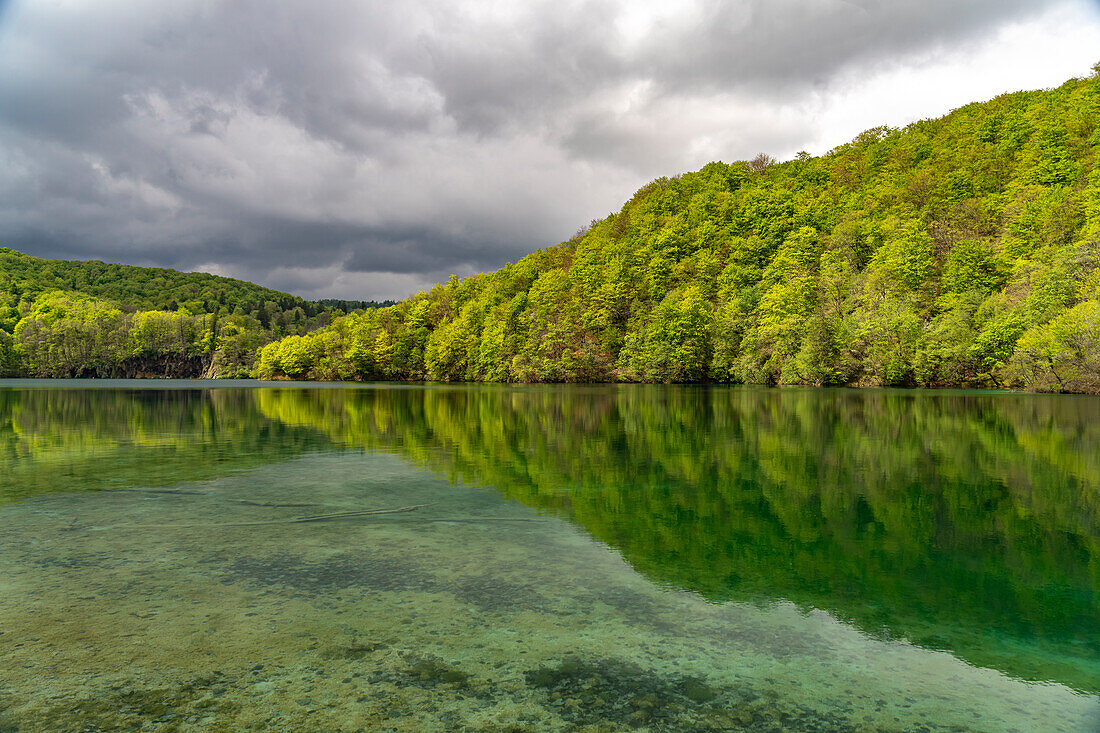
(186, 556)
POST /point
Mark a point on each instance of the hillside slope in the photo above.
(139, 288)
(60, 319)
(958, 251)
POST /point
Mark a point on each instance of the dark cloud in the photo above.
(380, 144)
(772, 46)
(423, 249)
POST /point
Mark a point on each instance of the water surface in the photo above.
(182, 556)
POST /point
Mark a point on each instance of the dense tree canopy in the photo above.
(60, 319)
(140, 288)
(958, 251)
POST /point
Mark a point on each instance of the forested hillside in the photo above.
(61, 318)
(962, 251)
(957, 251)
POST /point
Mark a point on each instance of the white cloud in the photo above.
(1036, 53)
(333, 282)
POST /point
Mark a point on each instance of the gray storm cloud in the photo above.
(331, 146)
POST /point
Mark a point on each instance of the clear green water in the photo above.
(176, 557)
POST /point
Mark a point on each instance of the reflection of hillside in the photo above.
(963, 522)
(58, 440)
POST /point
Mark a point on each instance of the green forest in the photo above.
(960, 251)
(957, 251)
(94, 319)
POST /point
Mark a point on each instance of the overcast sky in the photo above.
(358, 149)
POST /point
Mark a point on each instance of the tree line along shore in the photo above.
(960, 251)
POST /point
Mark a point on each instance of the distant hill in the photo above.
(960, 251)
(63, 318)
(138, 288)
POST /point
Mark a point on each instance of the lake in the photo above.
(223, 556)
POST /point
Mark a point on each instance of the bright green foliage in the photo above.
(972, 265)
(904, 261)
(675, 346)
(160, 322)
(907, 257)
(783, 310)
(452, 347)
(143, 288)
(297, 357)
(237, 339)
(163, 331)
(67, 334)
(950, 252)
(1062, 354)
(9, 358)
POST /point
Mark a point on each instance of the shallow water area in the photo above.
(405, 577)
